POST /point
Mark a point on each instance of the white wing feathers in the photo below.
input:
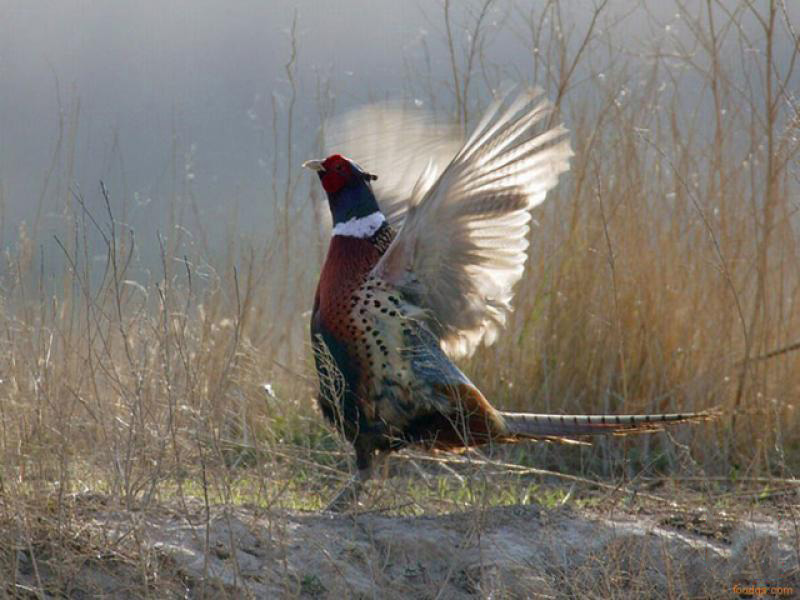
(397, 144)
(463, 244)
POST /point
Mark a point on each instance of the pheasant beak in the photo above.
(314, 165)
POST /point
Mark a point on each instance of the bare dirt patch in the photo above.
(510, 551)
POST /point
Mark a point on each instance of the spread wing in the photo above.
(463, 244)
(396, 143)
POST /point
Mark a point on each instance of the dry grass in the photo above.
(664, 274)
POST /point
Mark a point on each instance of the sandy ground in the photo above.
(499, 552)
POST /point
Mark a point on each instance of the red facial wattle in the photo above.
(337, 173)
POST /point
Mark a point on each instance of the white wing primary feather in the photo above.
(463, 244)
(397, 144)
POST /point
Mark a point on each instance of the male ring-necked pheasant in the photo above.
(428, 278)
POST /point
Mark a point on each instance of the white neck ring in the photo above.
(363, 227)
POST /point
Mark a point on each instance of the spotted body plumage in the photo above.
(398, 383)
(393, 306)
(343, 329)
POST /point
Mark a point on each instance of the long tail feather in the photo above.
(528, 425)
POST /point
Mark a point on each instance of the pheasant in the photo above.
(405, 290)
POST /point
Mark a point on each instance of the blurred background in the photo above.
(149, 96)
